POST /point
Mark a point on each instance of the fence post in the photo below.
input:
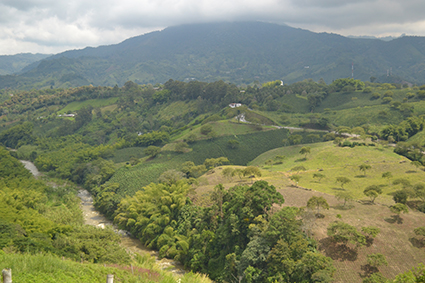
(7, 275)
(110, 278)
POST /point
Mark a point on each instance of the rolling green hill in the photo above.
(10, 64)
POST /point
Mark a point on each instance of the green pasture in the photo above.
(353, 117)
(333, 161)
(222, 128)
(418, 138)
(95, 103)
(176, 109)
(133, 178)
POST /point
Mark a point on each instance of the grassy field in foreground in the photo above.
(333, 161)
(47, 268)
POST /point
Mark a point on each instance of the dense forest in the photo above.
(143, 151)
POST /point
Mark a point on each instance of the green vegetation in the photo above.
(156, 160)
(28, 268)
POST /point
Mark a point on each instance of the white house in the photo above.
(234, 105)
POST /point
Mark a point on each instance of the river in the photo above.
(94, 218)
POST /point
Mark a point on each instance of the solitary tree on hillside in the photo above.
(372, 192)
(305, 150)
(399, 208)
(364, 168)
(317, 203)
(343, 181)
(344, 196)
(298, 168)
(319, 176)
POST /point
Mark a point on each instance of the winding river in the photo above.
(94, 218)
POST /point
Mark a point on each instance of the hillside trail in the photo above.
(94, 218)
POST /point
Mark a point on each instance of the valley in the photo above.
(228, 197)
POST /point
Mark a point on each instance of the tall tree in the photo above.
(372, 192)
(317, 203)
(364, 168)
(305, 150)
(343, 181)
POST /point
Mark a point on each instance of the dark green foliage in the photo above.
(376, 277)
(37, 218)
(153, 138)
(152, 151)
(18, 135)
(317, 203)
(400, 196)
(372, 192)
(244, 46)
(346, 85)
(343, 181)
(344, 233)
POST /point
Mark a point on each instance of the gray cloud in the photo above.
(54, 25)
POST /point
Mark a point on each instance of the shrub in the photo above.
(386, 100)
(375, 96)
(206, 129)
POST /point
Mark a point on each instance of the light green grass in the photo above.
(76, 105)
(46, 268)
(176, 109)
(344, 162)
(222, 128)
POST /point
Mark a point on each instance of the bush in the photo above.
(206, 129)
(388, 94)
(421, 208)
(400, 196)
(386, 100)
(375, 96)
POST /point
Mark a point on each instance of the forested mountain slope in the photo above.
(10, 64)
(240, 53)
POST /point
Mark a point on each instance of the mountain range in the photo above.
(10, 64)
(237, 52)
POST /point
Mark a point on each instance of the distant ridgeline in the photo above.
(240, 53)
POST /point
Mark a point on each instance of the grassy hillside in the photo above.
(95, 103)
(334, 161)
(396, 240)
(250, 146)
(47, 268)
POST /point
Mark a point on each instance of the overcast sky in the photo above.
(53, 26)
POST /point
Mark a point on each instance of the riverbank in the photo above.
(94, 218)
